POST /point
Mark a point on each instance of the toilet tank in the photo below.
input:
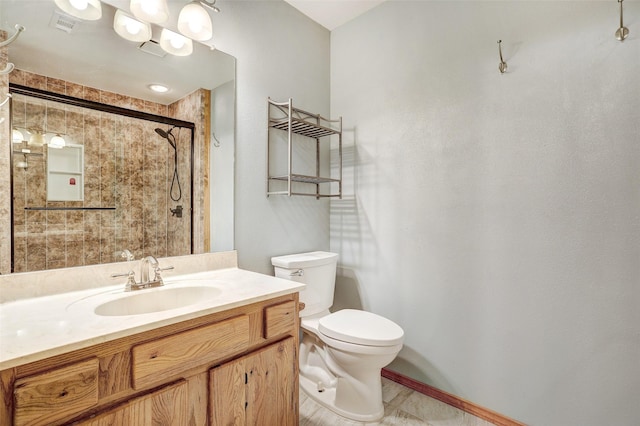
(315, 269)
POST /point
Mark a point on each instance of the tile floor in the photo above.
(402, 406)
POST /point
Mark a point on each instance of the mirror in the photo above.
(93, 62)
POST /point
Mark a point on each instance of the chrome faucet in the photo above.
(145, 264)
(149, 262)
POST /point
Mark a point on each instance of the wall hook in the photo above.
(217, 142)
(19, 28)
(502, 66)
(622, 32)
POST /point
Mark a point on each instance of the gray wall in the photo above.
(496, 218)
(280, 54)
(221, 167)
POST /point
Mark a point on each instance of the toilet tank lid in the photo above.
(361, 327)
(304, 260)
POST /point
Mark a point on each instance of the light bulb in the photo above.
(17, 136)
(131, 29)
(79, 4)
(153, 11)
(175, 44)
(149, 8)
(195, 26)
(57, 142)
(90, 10)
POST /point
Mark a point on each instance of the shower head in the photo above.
(167, 135)
(176, 179)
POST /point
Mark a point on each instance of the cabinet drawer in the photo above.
(165, 358)
(279, 319)
(43, 399)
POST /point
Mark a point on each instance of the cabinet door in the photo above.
(257, 389)
(166, 407)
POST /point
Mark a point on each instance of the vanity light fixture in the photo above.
(194, 22)
(57, 142)
(89, 10)
(152, 11)
(130, 28)
(158, 88)
(175, 43)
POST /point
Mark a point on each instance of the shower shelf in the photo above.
(69, 208)
(294, 121)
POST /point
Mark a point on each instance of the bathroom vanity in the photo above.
(229, 359)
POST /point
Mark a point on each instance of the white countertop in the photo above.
(36, 328)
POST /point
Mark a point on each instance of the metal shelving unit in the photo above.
(283, 116)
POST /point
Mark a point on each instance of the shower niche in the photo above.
(65, 173)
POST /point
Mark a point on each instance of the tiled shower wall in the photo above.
(127, 166)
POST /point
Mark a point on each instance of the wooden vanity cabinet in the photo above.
(166, 406)
(235, 367)
(255, 389)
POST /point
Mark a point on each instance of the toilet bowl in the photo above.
(341, 353)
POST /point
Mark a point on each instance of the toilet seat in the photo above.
(360, 328)
(355, 348)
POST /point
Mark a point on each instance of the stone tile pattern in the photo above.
(126, 165)
(402, 406)
(5, 158)
(193, 108)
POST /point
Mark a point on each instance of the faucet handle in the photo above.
(156, 272)
(131, 279)
(127, 255)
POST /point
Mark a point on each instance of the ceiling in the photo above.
(333, 13)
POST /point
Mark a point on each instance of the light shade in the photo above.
(130, 28)
(57, 142)
(89, 10)
(194, 22)
(37, 139)
(175, 43)
(17, 136)
(154, 11)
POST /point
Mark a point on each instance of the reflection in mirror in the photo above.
(91, 62)
(118, 182)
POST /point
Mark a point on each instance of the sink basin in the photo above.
(157, 300)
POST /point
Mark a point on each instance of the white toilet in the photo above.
(341, 353)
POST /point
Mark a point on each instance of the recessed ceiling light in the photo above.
(158, 88)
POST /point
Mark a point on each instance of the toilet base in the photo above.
(327, 398)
